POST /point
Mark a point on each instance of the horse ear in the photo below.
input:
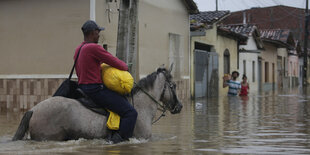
(170, 69)
(161, 68)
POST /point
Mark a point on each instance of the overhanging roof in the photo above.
(231, 34)
(191, 6)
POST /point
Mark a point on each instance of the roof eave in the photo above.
(233, 35)
(277, 42)
(191, 6)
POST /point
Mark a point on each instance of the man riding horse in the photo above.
(60, 118)
(88, 70)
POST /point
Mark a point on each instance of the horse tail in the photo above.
(23, 126)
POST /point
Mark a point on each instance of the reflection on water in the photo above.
(266, 124)
(274, 123)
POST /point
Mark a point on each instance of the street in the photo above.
(268, 123)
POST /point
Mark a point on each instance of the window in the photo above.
(266, 72)
(285, 67)
(226, 62)
(273, 75)
(244, 67)
(291, 69)
(176, 54)
(253, 71)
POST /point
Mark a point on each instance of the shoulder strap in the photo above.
(77, 56)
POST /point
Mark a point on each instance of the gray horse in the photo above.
(59, 118)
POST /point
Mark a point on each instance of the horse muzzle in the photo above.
(177, 109)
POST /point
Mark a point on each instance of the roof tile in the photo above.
(246, 29)
(209, 17)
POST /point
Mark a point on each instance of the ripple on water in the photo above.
(33, 147)
(267, 124)
(255, 149)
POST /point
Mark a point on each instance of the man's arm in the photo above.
(107, 58)
(226, 78)
(225, 83)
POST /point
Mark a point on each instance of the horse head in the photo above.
(168, 96)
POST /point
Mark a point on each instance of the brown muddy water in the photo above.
(274, 123)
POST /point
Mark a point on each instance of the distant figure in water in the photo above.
(244, 86)
(231, 82)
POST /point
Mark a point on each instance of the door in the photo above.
(259, 74)
(206, 74)
(213, 76)
(280, 72)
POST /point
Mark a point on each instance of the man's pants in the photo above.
(115, 102)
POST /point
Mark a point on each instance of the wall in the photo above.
(41, 31)
(249, 58)
(282, 52)
(107, 17)
(293, 63)
(230, 44)
(283, 80)
(249, 53)
(47, 32)
(250, 44)
(38, 42)
(38, 39)
(156, 20)
(293, 69)
(23, 94)
(269, 55)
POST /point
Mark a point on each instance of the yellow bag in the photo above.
(113, 121)
(116, 80)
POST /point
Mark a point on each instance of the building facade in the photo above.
(39, 38)
(219, 49)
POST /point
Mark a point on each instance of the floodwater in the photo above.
(270, 123)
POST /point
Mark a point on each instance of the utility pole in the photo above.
(126, 49)
(216, 5)
(305, 67)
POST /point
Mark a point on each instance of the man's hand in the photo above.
(226, 77)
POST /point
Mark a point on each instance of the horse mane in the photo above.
(147, 82)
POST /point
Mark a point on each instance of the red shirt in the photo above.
(244, 90)
(88, 64)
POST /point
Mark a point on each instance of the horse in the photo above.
(60, 119)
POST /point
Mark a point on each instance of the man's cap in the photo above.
(91, 25)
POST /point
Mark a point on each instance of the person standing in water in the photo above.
(244, 86)
(232, 83)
